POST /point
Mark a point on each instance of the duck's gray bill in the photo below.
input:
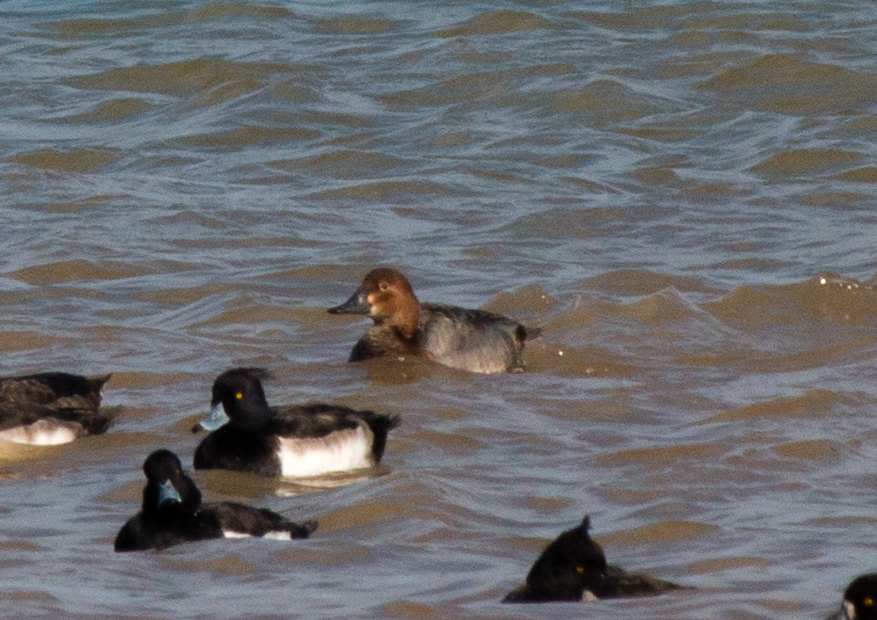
(216, 418)
(357, 304)
(167, 492)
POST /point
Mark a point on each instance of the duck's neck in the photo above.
(406, 321)
(258, 415)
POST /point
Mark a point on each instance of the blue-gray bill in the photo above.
(214, 420)
(167, 492)
(357, 304)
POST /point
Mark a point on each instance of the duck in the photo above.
(473, 340)
(172, 513)
(859, 600)
(573, 568)
(291, 441)
(51, 408)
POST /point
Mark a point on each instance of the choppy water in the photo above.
(187, 186)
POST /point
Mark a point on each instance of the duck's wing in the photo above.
(319, 420)
(526, 594)
(91, 422)
(476, 316)
(132, 536)
(58, 389)
(620, 583)
(246, 520)
(167, 527)
(473, 340)
(314, 420)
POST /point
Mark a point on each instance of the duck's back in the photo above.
(313, 420)
(473, 340)
(240, 520)
(56, 389)
(617, 582)
(165, 528)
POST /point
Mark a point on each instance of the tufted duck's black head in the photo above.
(860, 600)
(238, 398)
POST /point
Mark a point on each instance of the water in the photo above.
(660, 186)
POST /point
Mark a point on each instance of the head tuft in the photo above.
(252, 373)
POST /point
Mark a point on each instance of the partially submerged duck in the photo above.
(573, 568)
(859, 600)
(292, 441)
(172, 513)
(473, 340)
(51, 408)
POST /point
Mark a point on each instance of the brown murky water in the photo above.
(187, 186)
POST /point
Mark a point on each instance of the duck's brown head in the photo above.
(386, 296)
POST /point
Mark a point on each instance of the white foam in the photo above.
(338, 451)
(42, 433)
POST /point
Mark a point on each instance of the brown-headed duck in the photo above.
(473, 340)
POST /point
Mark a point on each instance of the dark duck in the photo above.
(473, 340)
(172, 513)
(859, 600)
(573, 568)
(291, 441)
(51, 408)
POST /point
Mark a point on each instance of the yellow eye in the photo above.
(868, 601)
(239, 395)
(580, 569)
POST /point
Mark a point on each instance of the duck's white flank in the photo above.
(338, 451)
(269, 535)
(42, 433)
(278, 536)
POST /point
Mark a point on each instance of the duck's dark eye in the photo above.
(384, 286)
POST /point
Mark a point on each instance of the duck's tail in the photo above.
(301, 530)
